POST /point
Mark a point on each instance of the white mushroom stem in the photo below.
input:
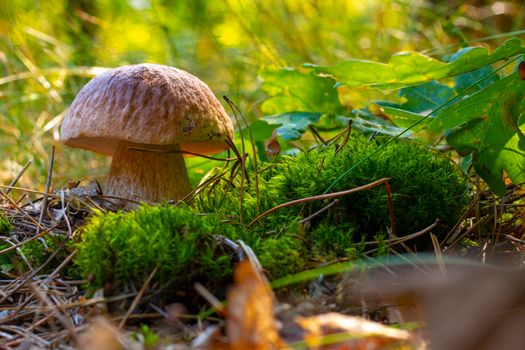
(147, 176)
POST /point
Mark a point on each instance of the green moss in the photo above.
(281, 256)
(329, 241)
(37, 253)
(121, 247)
(425, 186)
(5, 225)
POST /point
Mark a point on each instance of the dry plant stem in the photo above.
(316, 135)
(347, 136)
(234, 107)
(18, 245)
(60, 267)
(45, 198)
(15, 180)
(320, 197)
(29, 217)
(439, 255)
(319, 212)
(59, 314)
(28, 277)
(210, 298)
(148, 176)
(136, 301)
(182, 152)
(390, 208)
(404, 238)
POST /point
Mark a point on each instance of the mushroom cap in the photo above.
(147, 104)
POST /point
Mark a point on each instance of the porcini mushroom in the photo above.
(153, 107)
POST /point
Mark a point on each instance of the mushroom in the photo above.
(149, 107)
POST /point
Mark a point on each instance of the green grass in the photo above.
(45, 44)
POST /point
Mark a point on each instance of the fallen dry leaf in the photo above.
(250, 322)
(334, 331)
(101, 335)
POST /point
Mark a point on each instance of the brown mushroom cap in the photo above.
(147, 104)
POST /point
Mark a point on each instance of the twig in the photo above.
(60, 267)
(317, 136)
(18, 245)
(136, 301)
(22, 211)
(32, 274)
(404, 238)
(514, 239)
(320, 197)
(15, 180)
(322, 210)
(347, 136)
(254, 151)
(210, 298)
(391, 208)
(154, 150)
(46, 192)
(43, 298)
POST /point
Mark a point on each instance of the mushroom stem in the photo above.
(147, 176)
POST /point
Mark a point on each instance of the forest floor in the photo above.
(380, 305)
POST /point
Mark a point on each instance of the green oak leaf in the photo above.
(294, 124)
(410, 68)
(291, 90)
(425, 97)
(367, 121)
(489, 123)
(466, 80)
(400, 117)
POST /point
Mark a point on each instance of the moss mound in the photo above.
(425, 186)
(121, 247)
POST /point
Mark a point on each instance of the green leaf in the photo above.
(294, 124)
(291, 90)
(366, 121)
(425, 97)
(260, 130)
(488, 123)
(409, 68)
(400, 117)
(465, 80)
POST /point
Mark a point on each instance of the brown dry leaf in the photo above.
(101, 335)
(334, 331)
(250, 322)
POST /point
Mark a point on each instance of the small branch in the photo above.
(317, 136)
(254, 151)
(308, 218)
(320, 197)
(403, 239)
(15, 180)
(46, 192)
(391, 209)
(210, 298)
(60, 267)
(136, 300)
(141, 149)
(347, 136)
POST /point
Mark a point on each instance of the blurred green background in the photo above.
(50, 48)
